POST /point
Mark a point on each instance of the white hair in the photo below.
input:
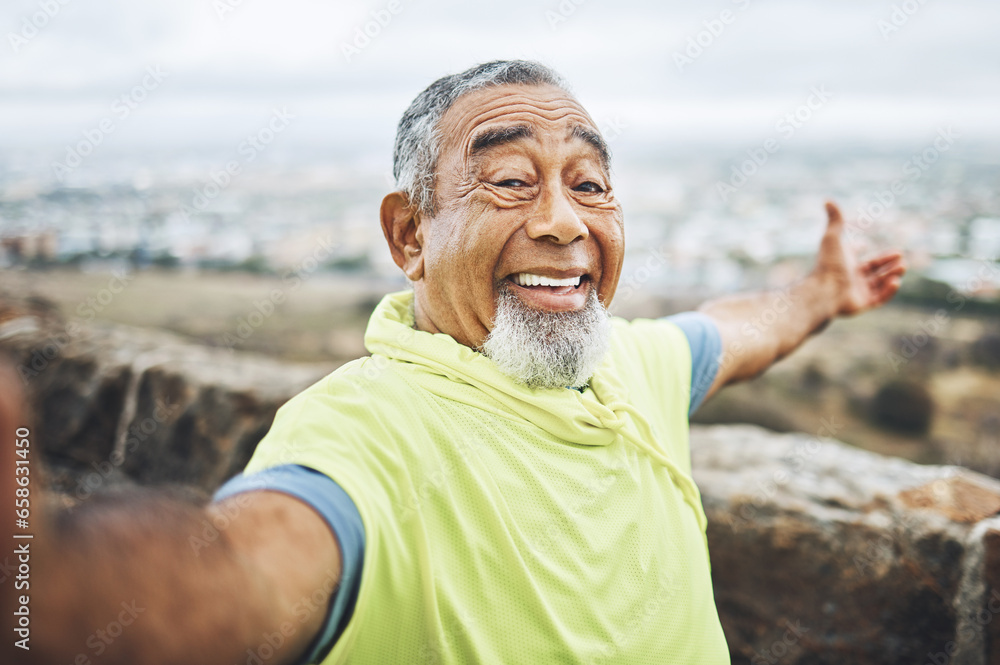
(418, 141)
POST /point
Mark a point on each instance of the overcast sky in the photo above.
(893, 76)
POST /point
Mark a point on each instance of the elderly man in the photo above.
(506, 479)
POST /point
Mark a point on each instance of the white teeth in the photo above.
(527, 279)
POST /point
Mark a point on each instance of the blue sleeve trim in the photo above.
(706, 352)
(330, 500)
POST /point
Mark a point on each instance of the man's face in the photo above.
(522, 193)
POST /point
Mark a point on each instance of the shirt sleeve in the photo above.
(706, 351)
(333, 504)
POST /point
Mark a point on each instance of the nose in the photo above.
(557, 220)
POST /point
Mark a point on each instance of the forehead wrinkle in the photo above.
(513, 104)
(463, 117)
(542, 109)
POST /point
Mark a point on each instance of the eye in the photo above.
(512, 182)
(589, 187)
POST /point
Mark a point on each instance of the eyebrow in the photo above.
(491, 138)
(595, 140)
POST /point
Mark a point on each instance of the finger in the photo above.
(885, 287)
(887, 272)
(885, 257)
(894, 271)
(835, 221)
(897, 269)
(894, 265)
(882, 262)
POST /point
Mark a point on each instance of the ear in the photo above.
(401, 227)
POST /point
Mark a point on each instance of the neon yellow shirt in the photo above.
(505, 524)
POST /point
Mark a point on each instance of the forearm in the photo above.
(759, 329)
(121, 581)
(144, 577)
(150, 579)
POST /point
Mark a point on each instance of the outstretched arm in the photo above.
(759, 329)
(145, 578)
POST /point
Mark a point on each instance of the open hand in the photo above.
(856, 286)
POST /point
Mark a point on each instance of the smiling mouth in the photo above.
(551, 293)
(527, 279)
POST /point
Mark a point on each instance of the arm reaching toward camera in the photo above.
(759, 329)
(142, 577)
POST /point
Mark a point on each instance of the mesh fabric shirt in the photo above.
(505, 524)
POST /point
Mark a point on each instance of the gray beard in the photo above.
(548, 349)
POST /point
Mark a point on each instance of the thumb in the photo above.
(835, 221)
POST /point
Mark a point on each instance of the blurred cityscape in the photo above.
(213, 249)
(699, 221)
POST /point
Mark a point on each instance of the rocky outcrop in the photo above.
(823, 553)
(115, 405)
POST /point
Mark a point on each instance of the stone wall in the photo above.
(115, 405)
(821, 553)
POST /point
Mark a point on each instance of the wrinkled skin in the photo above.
(539, 204)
